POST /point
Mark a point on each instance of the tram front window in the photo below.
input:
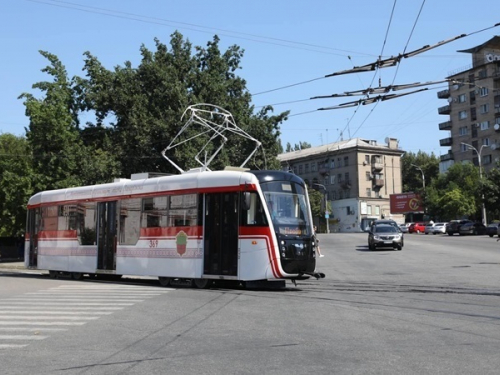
(288, 208)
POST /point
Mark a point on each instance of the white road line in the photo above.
(33, 329)
(57, 312)
(22, 337)
(42, 323)
(45, 317)
(70, 303)
(92, 293)
(64, 308)
(12, 346)
(76, 299)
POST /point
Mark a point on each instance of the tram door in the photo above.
(33, 228)
(106, 235)
(221, 234)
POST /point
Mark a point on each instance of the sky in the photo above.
(290, 46)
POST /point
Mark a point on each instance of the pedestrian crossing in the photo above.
(39, 315)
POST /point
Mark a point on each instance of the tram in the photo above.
(198, 227)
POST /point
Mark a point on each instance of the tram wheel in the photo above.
(76, 275)
(164, 281)
(202, 283)
(53, 274)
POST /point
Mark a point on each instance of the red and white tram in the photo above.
(197, 227)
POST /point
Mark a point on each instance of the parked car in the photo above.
(403, 228)
(385, 235)
(454, 226)
(492, 229)
(428, 228)
(472, 228)
(416, 228)
(439, 228)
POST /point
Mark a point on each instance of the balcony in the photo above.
(378, 182)
(445, 125)
(324, 171)
(446, 141)
(377, 166)
(443, 94)
(346, 184)
(496, 74)
(446, 157)
(444, 110)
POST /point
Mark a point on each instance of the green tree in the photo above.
(15, 185)
(412, 176)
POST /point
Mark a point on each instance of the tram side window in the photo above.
(49, 218)
(255, 215)
(130, 221)
(183, 210)
(154, 212)
(86, 223)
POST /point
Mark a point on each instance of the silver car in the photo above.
(439, 228)
(384, 235)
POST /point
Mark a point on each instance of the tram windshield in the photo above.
(288, 207)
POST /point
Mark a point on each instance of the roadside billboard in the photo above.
(405, 203)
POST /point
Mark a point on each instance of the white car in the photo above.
(428, 228)
(439, 228)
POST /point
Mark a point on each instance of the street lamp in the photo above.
(423, 176)
(327, 213)
(470, 147)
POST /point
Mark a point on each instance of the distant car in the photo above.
(403, 228)
(416, 228)
(385, 235)
(439, 228)
(454, 226)
(385, 222)
(428, 228)
(492, 229)
(472, 228)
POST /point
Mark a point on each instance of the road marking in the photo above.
(22, 337)
(33, 329)
(13, 323)
(64, 308)
(75, 299)
(12, 346)
(56, 312)
(21, 317)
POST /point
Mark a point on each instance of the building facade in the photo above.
(473, 107)
(356, 176)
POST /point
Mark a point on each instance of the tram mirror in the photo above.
(245, 203)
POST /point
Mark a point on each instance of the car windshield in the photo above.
(385, 229)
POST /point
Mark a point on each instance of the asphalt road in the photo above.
(432, 308)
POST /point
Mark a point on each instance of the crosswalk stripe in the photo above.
(38, 317)
(31, 329)
(22, 337)
(12, 346)
(57, 312)
(42, 323)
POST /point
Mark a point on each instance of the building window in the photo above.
(332, 164)
(497, 120)
(486, 159)
(369, 209)
(483, 91)
(486, 142)
(325, 182)
(482, 73)
(367, 159)
(473, 115)
(377, 194)
(347, 177)
(332, 179)
(462, 98)
(339, 162)
(306, 168)
(377, 210)
(347, 194)
(485, 125)
(462, 130)
(300, 169)
(346, 161)
(462, 115)
(341, 194)
(484, 108)
(463, 148)
(294, 170)
(339, 178)
(471, 80)
(472, 97)
(368, 176)
(368, 192)
(313, 167)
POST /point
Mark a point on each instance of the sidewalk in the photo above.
(10, 264)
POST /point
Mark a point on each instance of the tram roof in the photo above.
(125, 187)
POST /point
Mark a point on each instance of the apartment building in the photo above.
(473, 108)
(357, 177)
